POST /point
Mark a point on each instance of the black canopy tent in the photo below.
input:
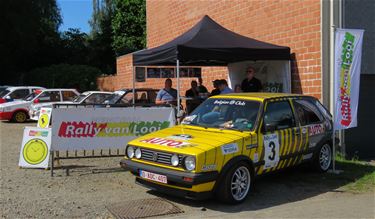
(208, 44)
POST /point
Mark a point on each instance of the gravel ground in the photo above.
(93, 184)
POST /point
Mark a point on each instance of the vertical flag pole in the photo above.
(334, 104)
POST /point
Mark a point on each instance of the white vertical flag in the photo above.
(348, 53)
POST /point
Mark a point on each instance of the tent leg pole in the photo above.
(178, 88)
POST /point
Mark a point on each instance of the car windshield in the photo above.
(225, 114)
(114, 98)
(79, 98)
(4, 92)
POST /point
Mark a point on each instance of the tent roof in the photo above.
(210, 44)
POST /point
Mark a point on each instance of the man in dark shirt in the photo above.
(250, 83)
(215, 91)
(193, 95)
(201, 87)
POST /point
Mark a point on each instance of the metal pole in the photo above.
(178, 87)
(52, 161)
(133, 86)
(333, 104)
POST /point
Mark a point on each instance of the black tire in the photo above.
(323, 158)
(19, 117)
(225, 192)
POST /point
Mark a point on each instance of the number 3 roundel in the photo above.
(271, 150)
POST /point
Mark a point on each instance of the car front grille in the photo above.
(158, 156)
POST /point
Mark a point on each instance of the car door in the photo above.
(311, 122)
(279, 135)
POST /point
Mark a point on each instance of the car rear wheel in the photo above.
(19, 116)
(323, 159)
(236, 184)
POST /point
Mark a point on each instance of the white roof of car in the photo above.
(96, 92)
(24, 87)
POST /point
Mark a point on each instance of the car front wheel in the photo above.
(236, 184)
(19, 116)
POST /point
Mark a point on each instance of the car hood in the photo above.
(188, 139)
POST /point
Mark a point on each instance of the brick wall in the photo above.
(290, 23)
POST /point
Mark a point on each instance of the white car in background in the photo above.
(88, 97)
(18, 111)
(12, 93)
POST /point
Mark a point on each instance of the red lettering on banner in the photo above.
(346, 112)
(80, 129)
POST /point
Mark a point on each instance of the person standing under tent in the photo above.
(193, 95)
(201, 87)
(251, 83)
(216, 90)
(167, 95)
(223, 86)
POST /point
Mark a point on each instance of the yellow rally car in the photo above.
(229, 140)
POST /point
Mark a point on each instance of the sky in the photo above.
(75, 14)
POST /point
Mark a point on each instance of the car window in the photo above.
(68, 95)
(279, 114)
(141, 97)
(49, 96)
(19, 94)
(307, 112)
(96, 98)
(4, 93)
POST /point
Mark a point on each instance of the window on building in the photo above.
(279, 115)
(153, 72)
(140, 74)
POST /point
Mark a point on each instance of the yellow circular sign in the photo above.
(35, 151)
(43, 121)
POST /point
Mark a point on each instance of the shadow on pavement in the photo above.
(291, 185)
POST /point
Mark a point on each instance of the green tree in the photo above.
(101, 54)
(129, 26)
(29, 36)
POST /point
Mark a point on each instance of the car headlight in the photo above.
(174, 160)
(138, 153)
(190, 163)
(130, 152)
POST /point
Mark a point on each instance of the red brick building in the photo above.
(296, 24)
(306, 26)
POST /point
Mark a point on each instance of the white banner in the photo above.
(105, 128)
(348, 53)
(44, 117)
(35, 147)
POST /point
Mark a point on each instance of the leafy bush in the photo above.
(81, 77)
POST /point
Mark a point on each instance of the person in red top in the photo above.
(250, 83)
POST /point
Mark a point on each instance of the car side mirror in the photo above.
(8, 97)
(269, 127)
(36, 101)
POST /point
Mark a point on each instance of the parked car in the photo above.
(16, 93)
(230, 139)
(125, 96)
(17, 111)
(88, 97)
